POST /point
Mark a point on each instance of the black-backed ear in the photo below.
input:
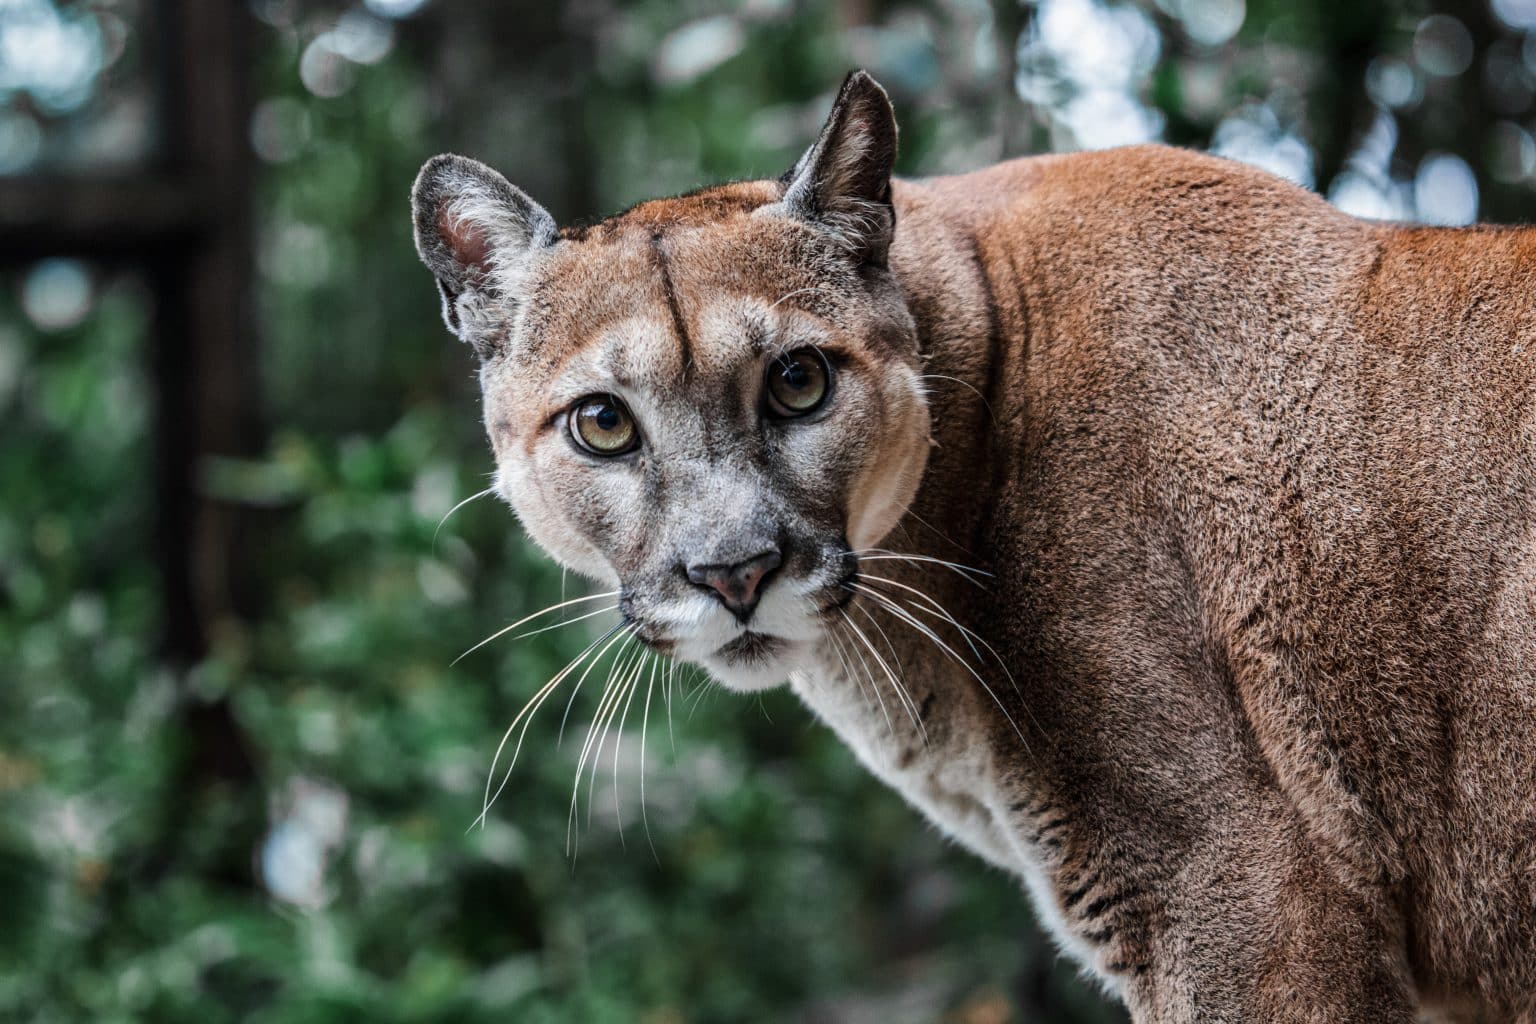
(477, 233)
(843, 182)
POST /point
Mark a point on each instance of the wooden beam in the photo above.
(121, 218)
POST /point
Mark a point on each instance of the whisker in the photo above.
(873, 683)
(625, 693)
(618, 745)
(701, 688)
(611, 696)
(466, 501)
(965, 634)
(667, 691)
(565, 717)
(934, 608)
(964, 384)
(901, 691)
(797, 291)
(529, 618)
(567, 622)
(885, 602)
(940, 533)
(883, 555)
(890, 725)
(645, 721)
(530, 709)
(837, 648)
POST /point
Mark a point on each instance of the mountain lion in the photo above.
(1164, 534)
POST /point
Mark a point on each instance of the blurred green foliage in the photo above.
(321, 864)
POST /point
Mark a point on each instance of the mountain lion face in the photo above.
(711, 403)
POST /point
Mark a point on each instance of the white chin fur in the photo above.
(784, 615)
(750, 678)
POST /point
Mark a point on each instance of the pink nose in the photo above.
(739, 585)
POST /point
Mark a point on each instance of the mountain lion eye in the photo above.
(602, 426)
(797, 383)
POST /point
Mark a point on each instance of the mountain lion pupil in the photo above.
(602, 426)
(797, 383)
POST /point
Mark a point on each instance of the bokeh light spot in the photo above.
(56, 294)
(394, 8)
(698, 48)
(280, 129)
(1519, 14)
(1445, 190)
(1442, 46)
(1392, 83)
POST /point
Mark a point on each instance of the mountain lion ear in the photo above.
(477, 233)
(843, 182)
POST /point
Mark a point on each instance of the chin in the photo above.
(760, 655)
(752, 663)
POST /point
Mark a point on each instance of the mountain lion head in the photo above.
(711, 403)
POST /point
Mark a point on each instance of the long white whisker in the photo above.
(871, 681)
(966, 634)
(881, 555)
(612, 687)
(611, 695)
(971, 637)
(571, 701)
(937, 532)
(890, 725)
(901, 691)
(529, 618)
(966, 384)
(667, 690)
(529, 709)
(645, 721)
(837, 649)
(934, 608)
(566, 622)
(626, 690)
(618, 745)
(701, 689)
(842, 659)
(922, 627)
(466, 501)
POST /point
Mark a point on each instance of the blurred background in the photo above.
(238, 767)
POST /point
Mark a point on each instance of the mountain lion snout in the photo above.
(737, 585)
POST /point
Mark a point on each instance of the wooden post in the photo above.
(206, 368)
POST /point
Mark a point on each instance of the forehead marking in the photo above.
(659, 258)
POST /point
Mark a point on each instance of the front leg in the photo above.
(1252, 927)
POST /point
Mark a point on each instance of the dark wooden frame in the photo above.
(185, 223)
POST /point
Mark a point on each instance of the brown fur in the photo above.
(1255, 481)
(1262, 507)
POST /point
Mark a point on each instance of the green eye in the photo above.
(798, 383)
(601, 425)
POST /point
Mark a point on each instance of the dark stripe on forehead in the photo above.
(659, 257)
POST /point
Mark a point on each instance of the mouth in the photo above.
(750, 649)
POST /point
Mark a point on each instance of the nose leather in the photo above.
(740, 585)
